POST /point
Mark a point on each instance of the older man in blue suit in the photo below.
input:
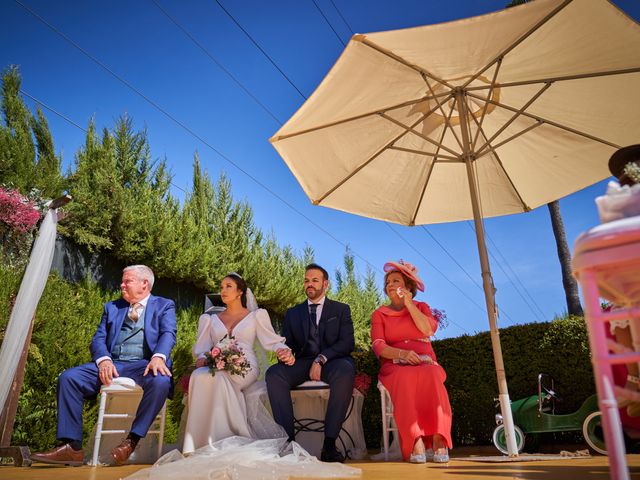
(319, 332)
(134, 339)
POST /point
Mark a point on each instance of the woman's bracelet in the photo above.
(400, 352)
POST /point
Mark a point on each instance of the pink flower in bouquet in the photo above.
(227, 356)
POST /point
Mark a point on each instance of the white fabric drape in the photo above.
(31, 288)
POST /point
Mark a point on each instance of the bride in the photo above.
(217, 405)
(229, 432)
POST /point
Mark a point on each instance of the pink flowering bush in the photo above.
(18, 217)
(16, 212)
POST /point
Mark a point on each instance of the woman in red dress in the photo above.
(400, 335)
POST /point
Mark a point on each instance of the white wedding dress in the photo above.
(227, 405)
(230, 435)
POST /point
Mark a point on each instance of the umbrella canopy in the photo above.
(552, 88)
(481, 117)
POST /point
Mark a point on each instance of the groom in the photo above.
(134, 339)
(319, 332)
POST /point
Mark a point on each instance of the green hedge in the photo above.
(69, 313)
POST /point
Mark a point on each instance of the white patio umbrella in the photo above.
(481, 117)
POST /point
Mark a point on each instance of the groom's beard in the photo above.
(312, 293)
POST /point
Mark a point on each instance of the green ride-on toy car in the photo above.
(535, 415)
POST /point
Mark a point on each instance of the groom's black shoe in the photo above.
(331, 455)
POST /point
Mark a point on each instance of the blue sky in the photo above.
(141, 45)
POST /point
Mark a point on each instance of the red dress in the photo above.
(420, 399)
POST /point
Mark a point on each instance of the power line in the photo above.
(444, 249)
(67, 119)
(53, 110)
(506, 314)
(497, 262)
(440, 272)
(190, 131)
(329, 23)
(343, 19)
(260, 48)
(452, 257)
(214, 60)
(526, 291)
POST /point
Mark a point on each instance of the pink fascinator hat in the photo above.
(407, 269)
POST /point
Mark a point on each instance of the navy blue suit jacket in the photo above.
(159, 327)
(335, 329)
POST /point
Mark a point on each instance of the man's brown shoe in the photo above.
(62, 455)
(122, 452)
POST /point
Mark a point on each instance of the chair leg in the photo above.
(163, 413)
(98, 437)
(385, 425)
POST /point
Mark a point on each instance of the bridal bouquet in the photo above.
(227, 356)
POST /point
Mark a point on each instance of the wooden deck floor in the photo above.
(593, 468)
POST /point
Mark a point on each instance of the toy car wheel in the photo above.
(593, 434)
(500, 440)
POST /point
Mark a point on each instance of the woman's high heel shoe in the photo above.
(441, 455)
(418, 458)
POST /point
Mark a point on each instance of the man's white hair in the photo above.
(143, 272)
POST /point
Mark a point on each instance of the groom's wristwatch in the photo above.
(321, 359)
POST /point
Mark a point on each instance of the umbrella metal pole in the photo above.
(487, 281)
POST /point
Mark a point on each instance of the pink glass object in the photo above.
(606, 262)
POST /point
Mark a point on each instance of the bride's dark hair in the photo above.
(240, 285)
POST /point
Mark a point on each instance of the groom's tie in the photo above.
(313, 314)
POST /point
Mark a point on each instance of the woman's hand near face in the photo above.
(406, 295)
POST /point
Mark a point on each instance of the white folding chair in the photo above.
(388, 422)
(123, 386)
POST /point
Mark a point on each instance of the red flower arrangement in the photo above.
(362, 382)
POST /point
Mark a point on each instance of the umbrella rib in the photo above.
(416, 68)
(531, 31)
(550, 122)
(357, 117)
(424, 190)
(444, 115)
(557, 79)
(424, 137)
(486, 105)
(525, 207)
(433, 165)
(516, 115)
(493, 148)
(428, 154)
(374, 156)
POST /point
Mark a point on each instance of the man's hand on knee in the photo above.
(157, 365)
(107, 371)
(315, 371)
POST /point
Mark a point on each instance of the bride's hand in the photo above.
(285, 356)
